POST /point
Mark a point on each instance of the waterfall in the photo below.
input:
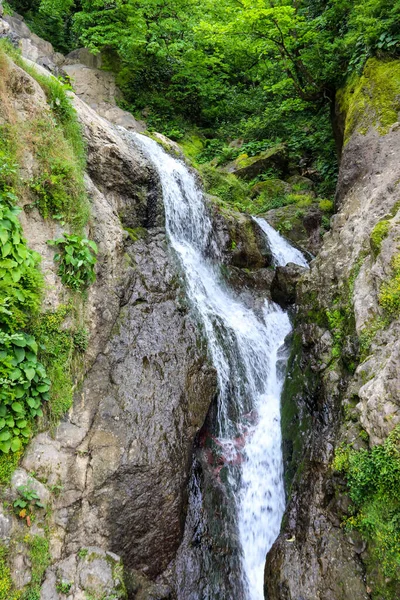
(282, 252)
(236, 495)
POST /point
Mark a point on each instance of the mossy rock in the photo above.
(248, 167)
(372, 99)
(270, 188)
(298, 182)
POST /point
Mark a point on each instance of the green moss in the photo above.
(136, 233)
(369, 333)
(233, 192)
(8, 464)
(270, 188)
(192, 145)
(378, 234)
(39, 556)
(326, 205)
(59, 350)
(6, 584)
(389, 293)
(372, 98)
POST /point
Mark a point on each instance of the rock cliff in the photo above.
(341, 392)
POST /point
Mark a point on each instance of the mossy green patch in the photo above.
(372, 98)
(389, 293)
(56, 143)
(378, 234)
(243, 161)
(192, 146)
(6, 584)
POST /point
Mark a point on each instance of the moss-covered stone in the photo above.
(248, 167)
(378, 234)
(372, 98)
(271, 188)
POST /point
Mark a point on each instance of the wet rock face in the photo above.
(283, 287)
(240, 239)
(134, 421)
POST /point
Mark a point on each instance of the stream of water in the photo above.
(236, 495)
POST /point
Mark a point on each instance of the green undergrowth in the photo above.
(257, 197)
(373, 481)
(6, 583)
(41, 353)
(55, 139)
(372, 98)
(61, 350)
(39, 556)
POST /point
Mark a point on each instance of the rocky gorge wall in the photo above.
(342, 389)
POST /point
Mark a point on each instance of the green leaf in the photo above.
(4, 435)
(43, 388)
(6, 249)
(29, 372)
(2, 423)
(17, 407)
(19, 391)
(19, 354)
(15, 374)
(5, 446)
(3, 235)
(15, 444)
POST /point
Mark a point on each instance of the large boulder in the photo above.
(248, 167)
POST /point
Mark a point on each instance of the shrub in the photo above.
(373, 479)
(77, 258)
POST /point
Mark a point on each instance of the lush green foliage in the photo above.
(77, 258)
(373, 478)
(263, 71)
(24, 382)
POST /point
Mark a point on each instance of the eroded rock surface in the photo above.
(333, 389)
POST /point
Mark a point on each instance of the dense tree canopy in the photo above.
(261, 70)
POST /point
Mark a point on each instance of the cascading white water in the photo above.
(244, 350)
(282, 251)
